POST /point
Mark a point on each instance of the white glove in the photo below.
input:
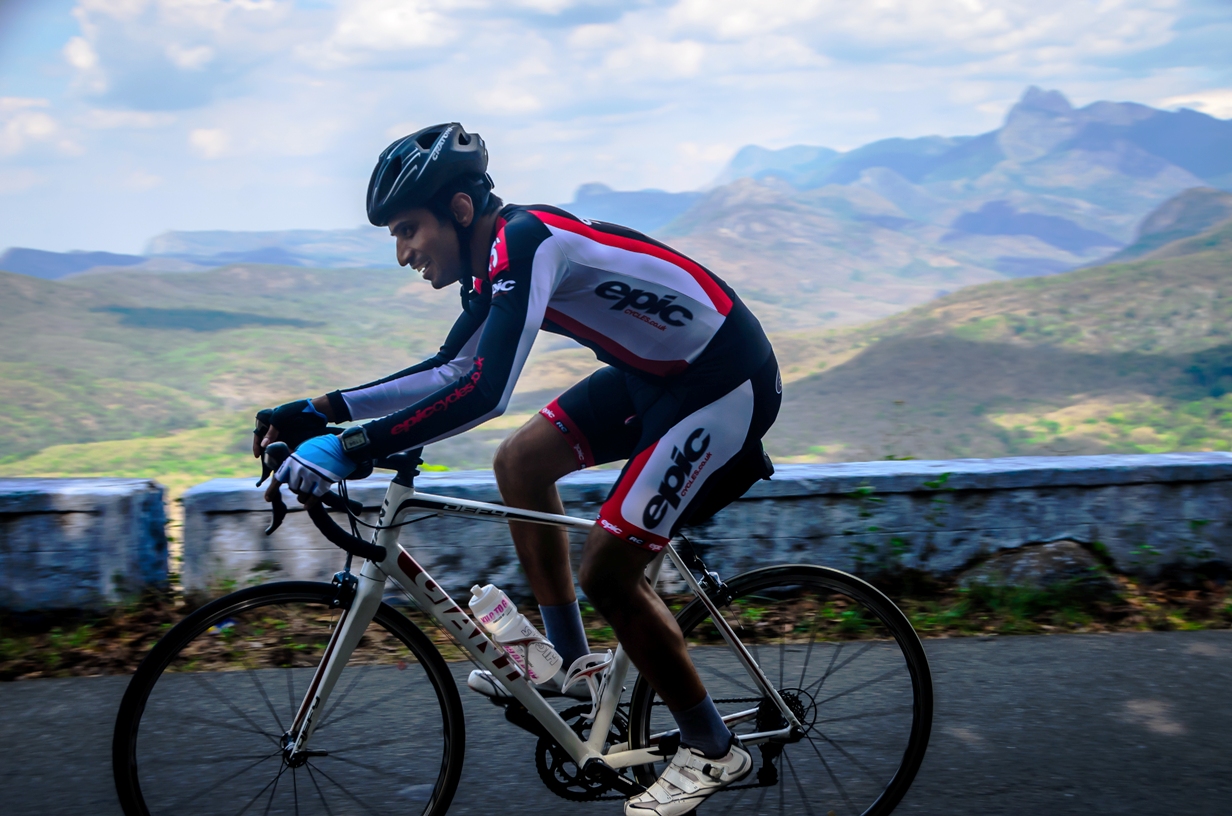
(316, 465)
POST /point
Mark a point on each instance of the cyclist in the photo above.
(690, 387)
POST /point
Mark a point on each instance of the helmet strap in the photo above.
(465, 233)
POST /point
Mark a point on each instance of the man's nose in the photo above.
(403, 254)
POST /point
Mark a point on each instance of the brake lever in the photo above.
(275, 454)
(278, 511)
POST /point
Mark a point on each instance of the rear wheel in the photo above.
(200, 729)
(848, 664)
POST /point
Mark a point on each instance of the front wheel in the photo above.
(843, 658)
(200, 729)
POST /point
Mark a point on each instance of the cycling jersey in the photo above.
(639, 305)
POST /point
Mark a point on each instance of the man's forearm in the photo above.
(322, 405)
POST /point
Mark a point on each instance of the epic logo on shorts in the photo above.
(677, 476)
(641, 302)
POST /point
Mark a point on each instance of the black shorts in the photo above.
(682, 440)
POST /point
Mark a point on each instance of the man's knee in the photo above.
(611, 571)
(506, 463)
(533, 456)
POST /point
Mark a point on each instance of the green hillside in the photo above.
(157, 375)
(147, 374)
(1131, 357)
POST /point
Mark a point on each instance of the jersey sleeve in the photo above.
(385, 396)
(520, 287)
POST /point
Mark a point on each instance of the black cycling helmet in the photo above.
(415, 168)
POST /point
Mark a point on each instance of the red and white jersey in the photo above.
(638, 304)
(630, 298)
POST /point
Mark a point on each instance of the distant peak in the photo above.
(594, 188)
(1041, 100)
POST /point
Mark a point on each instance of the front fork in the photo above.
(359, 605)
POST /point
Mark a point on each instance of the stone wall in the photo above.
(1141, 514)
(79, 543)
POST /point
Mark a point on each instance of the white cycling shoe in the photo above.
(688, 780)
(583, 680)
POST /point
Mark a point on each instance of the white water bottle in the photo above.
(514, 633)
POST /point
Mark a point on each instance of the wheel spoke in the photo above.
(845, 753)
(808, 653)
(863, 650)
(346, 792)
(324, 802)
(837, 785)
(223, 699)
(883, 676)
(198, 794)
(359, 675)
(256, 681)
(799, 788)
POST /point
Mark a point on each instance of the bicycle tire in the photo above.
(894, 684)
(170, 756)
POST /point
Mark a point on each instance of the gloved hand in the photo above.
(292, 422)
(315, 465)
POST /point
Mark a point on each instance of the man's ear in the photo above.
(463, 209)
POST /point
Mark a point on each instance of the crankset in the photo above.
(558, 770)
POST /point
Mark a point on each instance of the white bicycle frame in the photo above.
(399, 565)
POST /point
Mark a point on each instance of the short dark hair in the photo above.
(474, 186)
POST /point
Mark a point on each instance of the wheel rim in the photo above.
(211, 734)
(837, 652)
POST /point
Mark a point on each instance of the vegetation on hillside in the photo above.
(1126, 358)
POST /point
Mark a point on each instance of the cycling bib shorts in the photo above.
(681, 440)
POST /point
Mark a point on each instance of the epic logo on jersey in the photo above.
(679, 477)
(640, 303)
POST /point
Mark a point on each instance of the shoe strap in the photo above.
(677, 779)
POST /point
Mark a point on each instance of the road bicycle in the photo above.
(315, 698)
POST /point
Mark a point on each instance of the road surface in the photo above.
(1136, 723)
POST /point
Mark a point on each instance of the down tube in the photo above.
(434, 600)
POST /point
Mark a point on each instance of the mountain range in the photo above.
(820, 237)
(156, 374)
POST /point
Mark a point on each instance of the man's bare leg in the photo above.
(527, 465)
(613, 578)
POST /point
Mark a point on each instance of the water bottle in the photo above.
(514, 633)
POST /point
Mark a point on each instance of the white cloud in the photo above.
(635, 93)
(210, 143)
(80, 54)
(101, 119)
(19, 179)
(1215, 102)
(141, 180)
(190, 59)
(390, 25)
(23, 122)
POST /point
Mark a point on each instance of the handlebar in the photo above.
(276, 453)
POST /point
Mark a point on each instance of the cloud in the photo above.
(210, 143)
(273, 111)
(175, 54)
(103, 119)
(1215, 102)
(25, 122)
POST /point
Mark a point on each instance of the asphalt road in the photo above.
(1101, 724)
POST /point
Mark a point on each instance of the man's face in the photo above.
(428, 246)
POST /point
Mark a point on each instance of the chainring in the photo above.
(558, 770)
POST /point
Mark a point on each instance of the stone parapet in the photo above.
(1141, 514)
(79, 543)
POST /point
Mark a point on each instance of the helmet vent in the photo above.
(428, 138)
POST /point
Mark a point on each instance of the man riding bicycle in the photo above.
(690, 387)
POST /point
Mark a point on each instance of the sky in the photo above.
(121, 119)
